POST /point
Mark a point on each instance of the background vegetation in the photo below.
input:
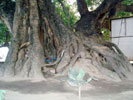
(3, 30)
(70, 16)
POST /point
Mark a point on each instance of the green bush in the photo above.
(2, 94)
(127, 2)
(106, 34)
(3, 30)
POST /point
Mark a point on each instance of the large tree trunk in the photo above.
(39, 33)
(26, 53)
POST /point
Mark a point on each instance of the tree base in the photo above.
(102, 60)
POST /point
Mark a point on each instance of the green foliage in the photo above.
(61, 12)
(124, 14)
(81, 75)
(76, 77)
(2, 94)
(76, 74)
(106, 34)
(3, 30)
(93, 3)
(127, 2)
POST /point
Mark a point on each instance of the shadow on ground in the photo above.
(27, 86)
(53, 86)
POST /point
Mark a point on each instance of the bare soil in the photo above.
(55, 89)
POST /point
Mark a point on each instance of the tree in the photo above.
(39, 32)
(4, 35)
(64, 10)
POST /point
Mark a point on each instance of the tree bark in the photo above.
(39, 33)
(96, 17)
(25, 58)
(82, 7)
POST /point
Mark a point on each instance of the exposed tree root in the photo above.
(106, 60)
(40, 33)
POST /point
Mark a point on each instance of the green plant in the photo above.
(3, 30)
(2, 94)
(106, 34)
(127, 2)
(72, 17)
(76, 78)
(92, 4)
(124, 14)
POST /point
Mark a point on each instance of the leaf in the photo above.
(72, 74)
(127, 2)
(81, 75)
(89, 79)
(76, 77)
(74, 30)
(73, 82)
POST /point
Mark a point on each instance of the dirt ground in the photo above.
(55, 89)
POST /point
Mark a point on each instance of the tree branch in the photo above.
(119, 8)
(82, 7)
(106, 6)
(66, 12)
(127, 8)
(7, 9)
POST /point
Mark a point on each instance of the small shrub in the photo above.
(76, 78)
(2, 94)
